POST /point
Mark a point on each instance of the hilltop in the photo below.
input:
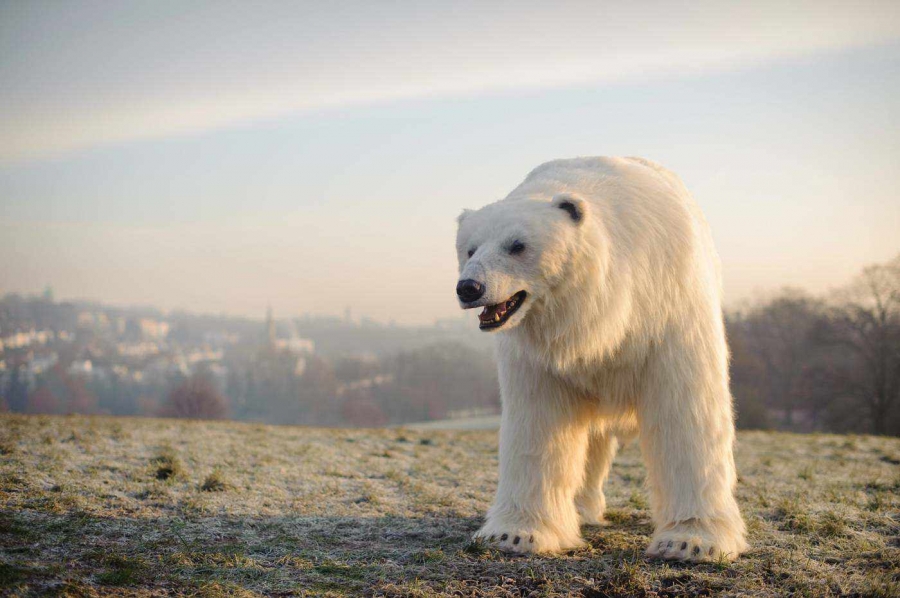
(123, 506)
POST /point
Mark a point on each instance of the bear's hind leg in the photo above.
(590, 500)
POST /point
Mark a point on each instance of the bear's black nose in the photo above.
(469, 290)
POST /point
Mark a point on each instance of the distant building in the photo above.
(153, 329)
(294, 344)
(27, 338)
(81, 367)
(41, 363)
(93, 320)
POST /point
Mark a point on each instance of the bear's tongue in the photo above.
(493, 313)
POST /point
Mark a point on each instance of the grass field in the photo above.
(103, 506)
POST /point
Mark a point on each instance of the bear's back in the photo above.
(588, 172)
(629, 193)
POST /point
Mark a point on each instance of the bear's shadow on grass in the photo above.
(328, 550)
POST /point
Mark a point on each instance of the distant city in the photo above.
(799, 362)
(83, 357)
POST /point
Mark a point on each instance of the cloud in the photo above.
(76, 76)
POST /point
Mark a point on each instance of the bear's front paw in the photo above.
(696, 541)
(524, 539)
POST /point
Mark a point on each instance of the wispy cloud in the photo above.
(82, 75)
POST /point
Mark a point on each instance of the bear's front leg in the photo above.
(687, 433)
(543, 443)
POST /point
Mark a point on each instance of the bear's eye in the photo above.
(517, 247)
(472, 252)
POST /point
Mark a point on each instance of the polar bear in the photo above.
(600, 278)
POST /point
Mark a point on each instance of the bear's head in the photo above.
(514, 253)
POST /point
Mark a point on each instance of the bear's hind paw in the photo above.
(590, 509)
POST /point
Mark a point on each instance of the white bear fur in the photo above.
(621, 333)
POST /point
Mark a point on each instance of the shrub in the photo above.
(195, 398)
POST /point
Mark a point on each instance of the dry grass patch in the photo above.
(215, 482)
(167, 466)
(109, 507)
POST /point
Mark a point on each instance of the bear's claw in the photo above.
(524, 540)
(695, 542)
(509, 542)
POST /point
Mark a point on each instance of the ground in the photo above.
(112, 506)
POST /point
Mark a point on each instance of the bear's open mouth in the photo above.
(495, 316)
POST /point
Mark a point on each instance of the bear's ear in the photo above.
(463, 216)
(575, 206)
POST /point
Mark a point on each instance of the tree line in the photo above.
(825, 363)
(410, 386)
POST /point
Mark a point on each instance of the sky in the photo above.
(222, 157)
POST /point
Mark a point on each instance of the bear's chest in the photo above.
(611, 387)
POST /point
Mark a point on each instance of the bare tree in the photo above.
(748, 378)
(196, 398)
(779, 334)
(866, 320)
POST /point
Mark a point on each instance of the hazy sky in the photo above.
(221, 157)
